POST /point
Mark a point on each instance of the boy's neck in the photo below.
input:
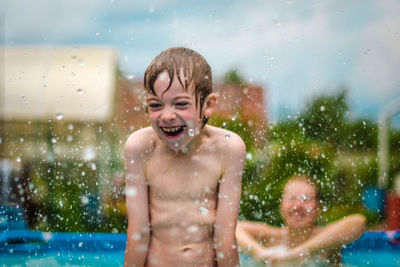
(194, 145)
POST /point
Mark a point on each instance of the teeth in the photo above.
(171, 130)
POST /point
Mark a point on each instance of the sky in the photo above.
(295, 49)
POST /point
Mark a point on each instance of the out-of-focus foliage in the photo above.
(64, 197)
(237, 126)
(63, 194)
(233, 77)
(324, 118)
(322, 142)
(62, 191)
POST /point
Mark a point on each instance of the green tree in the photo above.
(233, 77)
(325, 118)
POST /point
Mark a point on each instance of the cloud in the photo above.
(297, 49)
(301, 54)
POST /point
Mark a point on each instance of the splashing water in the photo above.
(204, 210)
(131, 191)
(192, 229)
(191, 132)
(89, 153)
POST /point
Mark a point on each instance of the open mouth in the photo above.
(298, 214)
(172, 132)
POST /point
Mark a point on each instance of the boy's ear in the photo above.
(209, 105)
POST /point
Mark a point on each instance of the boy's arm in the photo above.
(248, 235)
(260, 231)
(228, 203)
(138, 235)
(333, 235)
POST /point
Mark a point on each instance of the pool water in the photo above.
(103, 259)
(31, 248)
(39, 249)
(374, 249)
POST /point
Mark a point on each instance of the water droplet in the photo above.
(136, 236)
(131, 191)
(93, 166)
(79, 91)
(192, 229)
(84, 200)
(227, 136)
(89, 153)
(191, 132)
(322, 108)
(204, 210)
(60, 116)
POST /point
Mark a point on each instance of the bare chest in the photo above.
(191, 177)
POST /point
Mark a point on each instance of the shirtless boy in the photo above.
(183, 177)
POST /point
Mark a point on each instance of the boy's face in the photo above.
(173, 113)
(299, 206)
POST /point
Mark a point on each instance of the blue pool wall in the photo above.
(26, 241)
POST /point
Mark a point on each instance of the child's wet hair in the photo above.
(307, 179)
(177, 61)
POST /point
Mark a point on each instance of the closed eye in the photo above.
(154, 106)
(182, 105)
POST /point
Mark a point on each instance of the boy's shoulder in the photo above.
(225, 140)
(141, 140)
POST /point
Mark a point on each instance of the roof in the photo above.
(59, 83)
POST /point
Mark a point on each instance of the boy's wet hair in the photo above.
(178, 61)
(307, 179)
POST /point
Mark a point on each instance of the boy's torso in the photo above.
(183, 192)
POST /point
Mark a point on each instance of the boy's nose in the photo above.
(168, 116)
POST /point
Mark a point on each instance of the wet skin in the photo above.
(175, 171)
(299, 206)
